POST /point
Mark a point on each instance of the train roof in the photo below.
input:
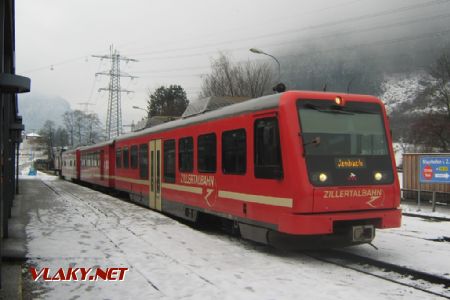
(248, 106)
(253, 105)
(209, 104)
(110, 142)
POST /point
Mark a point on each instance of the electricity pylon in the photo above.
(114, 112)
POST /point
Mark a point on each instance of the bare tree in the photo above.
(432, 131)
(48, 136)
(82, 128)
(69, 124)
(425, 121)
(93, 131)
(248, 79)
(438, 87)
(61, 137)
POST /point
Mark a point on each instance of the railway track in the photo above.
(426, 282)
(429, 283)
(96, 208)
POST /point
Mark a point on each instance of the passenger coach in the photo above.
(70, 169)
(294, 164)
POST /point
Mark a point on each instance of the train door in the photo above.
(155, 174)
(102, 164)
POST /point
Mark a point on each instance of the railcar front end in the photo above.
(342, 166)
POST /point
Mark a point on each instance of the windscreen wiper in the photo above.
(315, 142)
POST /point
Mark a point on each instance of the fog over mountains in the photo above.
(383, 48)
(36, 109)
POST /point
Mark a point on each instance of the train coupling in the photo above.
(363, 233)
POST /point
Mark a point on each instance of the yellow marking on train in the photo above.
(130, 180)
(268, 200)
(183, 188)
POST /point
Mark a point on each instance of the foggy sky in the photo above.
(175, 41)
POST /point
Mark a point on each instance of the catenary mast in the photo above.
(114, 112)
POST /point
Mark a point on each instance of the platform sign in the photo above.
(434, 169)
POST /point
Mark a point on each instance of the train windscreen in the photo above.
(345, 145)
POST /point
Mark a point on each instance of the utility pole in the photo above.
(114, 112)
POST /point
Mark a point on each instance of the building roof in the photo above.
(32, 135)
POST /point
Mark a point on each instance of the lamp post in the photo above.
(137, 107)
(259, 51)
(279, 87)
(140, 108)
(139, 125)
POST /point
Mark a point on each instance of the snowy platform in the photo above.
(72, 226)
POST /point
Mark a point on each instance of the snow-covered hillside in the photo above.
(400, 88)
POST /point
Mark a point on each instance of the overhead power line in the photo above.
(146, 73)
(306, 28)
(323, 25)
(114, 112)
(429, 35)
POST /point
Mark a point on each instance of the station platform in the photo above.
(33, 195)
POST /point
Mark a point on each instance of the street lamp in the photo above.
(137, 107)
(138, 125)
(280, 87)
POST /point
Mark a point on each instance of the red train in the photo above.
(295, 164)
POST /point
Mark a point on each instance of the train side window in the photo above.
(134, 157)
(143, 161)
(186, 154)
(206, 153)
(267, 155)
(118, 158)
(169, 161)
(234, 152)
(126, 157)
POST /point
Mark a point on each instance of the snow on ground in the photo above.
(442, 211)
(418, 244)
(83, 228)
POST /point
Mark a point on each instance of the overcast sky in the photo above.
(173, 41)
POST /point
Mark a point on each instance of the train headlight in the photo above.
(339, 101)
(378, 176)
(323, 177)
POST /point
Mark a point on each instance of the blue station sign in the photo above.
(434, 169)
